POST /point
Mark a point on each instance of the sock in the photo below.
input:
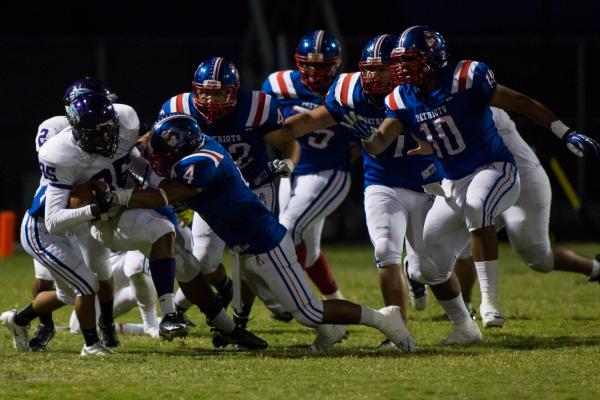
(74, 324)
(46, 319)
(25, 316)
(369, 317)
(106, 312)
(456, 310)
(166, 302)
(148, 314)
(487, 273)
(163, 276)
(301, 253)
(181, 302)
(320, 273)
(595, 269)
(337, 295)
(90, 336)
(223, 322)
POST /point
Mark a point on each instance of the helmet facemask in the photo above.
(317, 72)
(213, 100)
(376, 77)
(103, 138)
(410, 67)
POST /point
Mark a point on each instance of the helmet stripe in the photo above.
(319, 41)
(217, 68)
(406, 32)
(377, 47)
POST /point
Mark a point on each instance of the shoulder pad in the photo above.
(344, 88)
(61, 150)
(393, 101)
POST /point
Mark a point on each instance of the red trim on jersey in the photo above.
(282, 86)
(260, 109)
(216, 155)
(345, 85)
(462, 78)
(179, 103)
(393, 104)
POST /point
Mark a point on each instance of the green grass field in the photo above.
(549, 348)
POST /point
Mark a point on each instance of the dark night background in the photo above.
(549, 50)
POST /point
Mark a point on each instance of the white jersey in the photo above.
(64, 164)
(524, 156)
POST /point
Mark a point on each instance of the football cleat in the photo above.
(108, 334)
(465, 333)
(327, 336)
(97, 349)
(472, 311)
(19, 333)
(282, 317)
(172, 325)
(491, 317)
(42, 336)
(386, 345)
(239, 338)
(392, 326)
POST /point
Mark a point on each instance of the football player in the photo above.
(395, 199)
(203, 174)
(526, 222)
(321, 180)
(445, 105)
(242, 121)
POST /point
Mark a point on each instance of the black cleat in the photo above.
(173, 325)
(239, 338)
(108, 335)
(42, 336)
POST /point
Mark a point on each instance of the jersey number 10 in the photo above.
(445, 133)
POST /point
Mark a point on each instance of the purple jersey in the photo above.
(240, 132)
(323, 149)
(226, 203)
(393, 167)
(455, 118)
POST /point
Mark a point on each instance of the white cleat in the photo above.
(19, 333)
(327, 336)
(97, 349)
(465, 333)
(420, 302)
(491, 315)
(392, 326)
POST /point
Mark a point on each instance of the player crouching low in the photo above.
(205, 176)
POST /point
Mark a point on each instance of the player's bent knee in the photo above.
(539, 258)
(386, 253)
(431, 274)
(65, 296)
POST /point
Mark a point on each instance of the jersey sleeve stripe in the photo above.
(337, 91)
(179, 103)
(260, 109)
(344, 94)
(211, 155)
(462, 80)
(471, 74)
(394, 100)
(172, 105)
(266, 109)
(287, 77)
(253, 109)
(456, 77)
(350, 95)
(186, 103)
(282, 86)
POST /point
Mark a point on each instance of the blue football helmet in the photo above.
(86, 85)
(173, 137)
(374, 65)
(212, 75)
(94, 124)
(317, 58)
(419, 52)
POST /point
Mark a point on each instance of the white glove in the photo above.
(282, 168)
(359, 127)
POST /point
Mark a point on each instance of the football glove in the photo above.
(283, 168)
(580, 144)
(106, 202)
(359, 127)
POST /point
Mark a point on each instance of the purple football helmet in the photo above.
(86, 85)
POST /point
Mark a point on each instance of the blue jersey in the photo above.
(226, 203)
(393, 167)
(455, 118)
(240, 132)
(323, 149)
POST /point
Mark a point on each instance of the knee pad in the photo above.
(430, 273)
(387, 253)
(208, 256)
(539, 258)
(473, 213)
(309, 315)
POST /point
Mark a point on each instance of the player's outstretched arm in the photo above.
(286, 143)
(387, 132)
(303, 123)
(168, 192)
(511, 100)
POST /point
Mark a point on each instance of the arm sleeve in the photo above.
(59, 219)
(200, 173)
(484, 83)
